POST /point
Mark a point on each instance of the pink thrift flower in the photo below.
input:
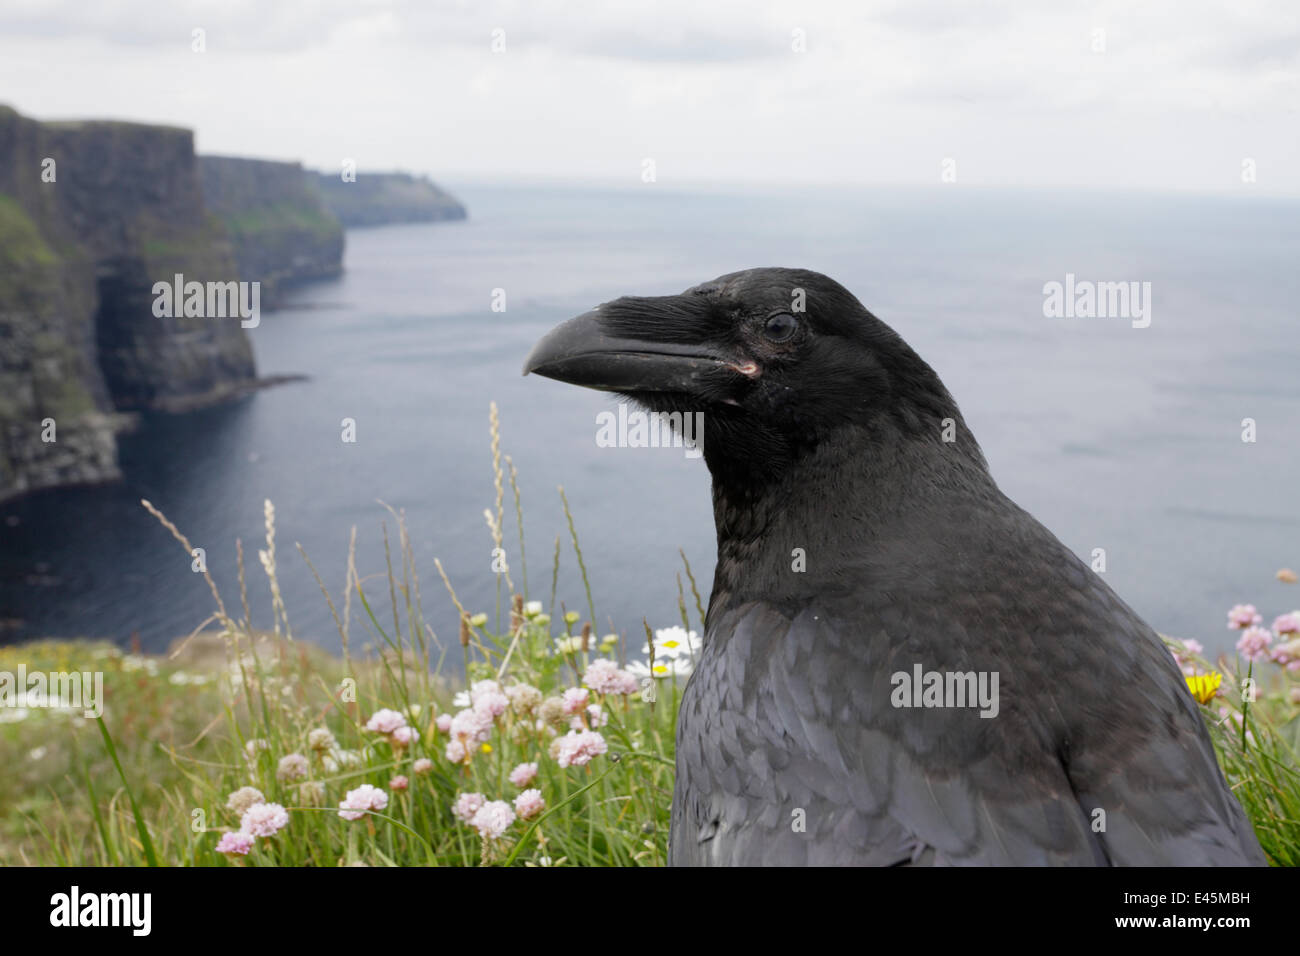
(605, 677)
(575, 699)
(443, 723)
(492, 819)
(399, 783)
(1287, 623)
(577, 748)
(264, 819)
(472, 726)
(523, 775)
(1242, 616)
(365, 797)
(466, 805)
(1253, 643)
(529, 804)
(235, 844)
(480, 688)
(455, 751)
(385, 721)
(404, 736)
(492, 703)
(423, 765)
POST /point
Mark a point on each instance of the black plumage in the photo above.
(827, 437)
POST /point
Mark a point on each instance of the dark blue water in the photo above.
(1115, 437)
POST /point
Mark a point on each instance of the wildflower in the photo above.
(461, 700)
(254, 747)
(552, 711)
(1254, 642)
(524, 698)
(673, 642)
(608, 641)
(1287, 655)
(466, 805)
(523, 775)
(235, 844)
(292, 767)
(365, 797)
(478, 620)
(542, 620)
(1242, 616)
(321, 739)
(1287, 623)
(571, 617)
(385, 721)
(471, 725)
(423, 765)
(596, 716)
(663, 668)
(493, 703)
(404, 736)
(574, 700)
(492, 819)
(399, 783)
(348, 758)
(605, 677)
(1286, 575)
(455, 751)
(529, 804)
(312, 793)
(443, 723)
(243, 798)
(576, 748)
(1204, 687)
(532, 609)
(568, 645)
(264, 819)
(481, 687)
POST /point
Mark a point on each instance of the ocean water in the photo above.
(1121, 438)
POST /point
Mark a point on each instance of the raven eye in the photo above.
(781, 327)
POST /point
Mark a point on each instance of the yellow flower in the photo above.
(1204, 686)
(486, 748)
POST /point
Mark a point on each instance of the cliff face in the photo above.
(378, 198)
(281, 230)
(79, 255)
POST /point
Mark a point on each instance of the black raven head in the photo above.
(776, 359)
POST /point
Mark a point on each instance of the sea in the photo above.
(1164, 443)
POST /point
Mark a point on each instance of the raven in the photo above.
(900, 666)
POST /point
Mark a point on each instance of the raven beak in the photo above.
(581, 352)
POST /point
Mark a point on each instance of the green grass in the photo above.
(182, 733)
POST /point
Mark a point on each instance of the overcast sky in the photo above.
(1170, 95)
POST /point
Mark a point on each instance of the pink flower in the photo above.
(423, 765)
(235, 844)
(1243, 616)
(575, 699)
(1184, 656)
(404, 736)
(264, 819)
(472, 726)
(492, 819)
(605, 677)
(493, 703)
(399, 783)
(1253, 643)
(443, 723)
(1287, 623)
(480, 688)
(365, 797)
(523, 775)
(385, 721)
(466, 805)
(577, 748)
(455, 751)
(529, 804)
